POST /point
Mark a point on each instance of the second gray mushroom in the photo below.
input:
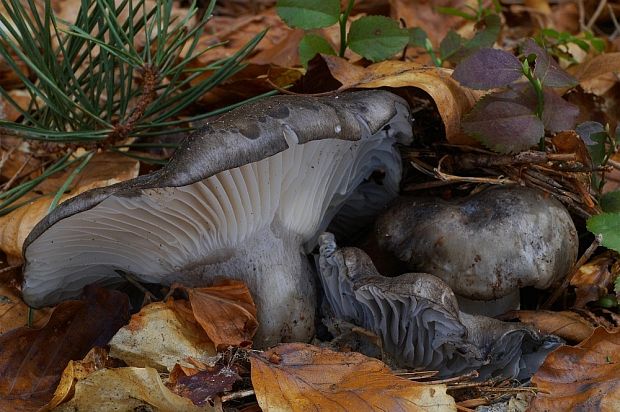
(485, 246)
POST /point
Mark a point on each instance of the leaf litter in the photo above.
(165, 356)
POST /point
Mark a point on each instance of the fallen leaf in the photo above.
(103, 170)
(585, 377)
(452, 100)
(300, 377)
(591, 280)
(160, 337)
(14, 312)
(32, 360)
(597, 66)
(565, 324)
(126, 389)
(75, 371)
(226, 312)
(201, 386)
(8, 111)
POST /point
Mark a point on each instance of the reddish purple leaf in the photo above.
(546, 69)
(503, 123)
(558, 114)
(32, 360)
(488, 69)
(202, 386)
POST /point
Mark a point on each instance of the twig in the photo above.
(596, 15)
(237, 395)
(616, 32)
(137, 284)
(470, 375)
(447, 177)
(463, 408)
(13, 178)
(285, 91)
(582, 260)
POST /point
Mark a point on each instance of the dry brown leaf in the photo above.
(581, 378)
(599, 65)
(75, 371)
(103, 170)
(452, 100)
(566, 324)
(301, 377)
(14, 312)
(202, 386)
(160, 337)
(424, 14)
(10, 113)
(591, 280)
(126, 389)
(226, 312)
(32, 360)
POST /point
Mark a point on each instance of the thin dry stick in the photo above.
(237, 395)
(596, 15)
(584, 258)
(12, 180)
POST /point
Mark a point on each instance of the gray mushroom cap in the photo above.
(243, 198)
(485, 246)
(418, 318)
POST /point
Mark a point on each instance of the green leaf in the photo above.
(417, 37)
(377, 37)
(610, 202)
(608, 226)
(311, 45)
(451, 11)
(309, 14)
(450, 44)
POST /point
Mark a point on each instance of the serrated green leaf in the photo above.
(311, 45)
(309, 14)
(377, 37)
(450, 44)
(417, 37)
(610, 202)
(608, 226)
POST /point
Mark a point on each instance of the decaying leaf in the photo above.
(565, 324)
(75, 371)
(591, 280)
(226, 312)
(452, 100)
(597, 66)
(14, 312)
(126, 389)
(300, 377)
(15, 226)
(160, 336)
(585, 377)
(32, 360)
(201, 386)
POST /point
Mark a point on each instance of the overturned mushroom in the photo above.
(418, 318)
(242, 198)
(486, 246)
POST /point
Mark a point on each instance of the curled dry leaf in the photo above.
(566, 324)
(226, 312)
(15, 226)
(32, 360)
(126, 389)
(299, 377)
(160, 336)
(591, 280)
(452, 100)
(585, 377)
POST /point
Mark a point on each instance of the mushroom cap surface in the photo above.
(418, 318)
(485, 246)
(241, 198)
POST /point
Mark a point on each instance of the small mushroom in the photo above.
(244, 198)
(485, 246)
(418, 318)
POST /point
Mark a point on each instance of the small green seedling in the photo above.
(558, 43)
(517, 116)
(372, 37)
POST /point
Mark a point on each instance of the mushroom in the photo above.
(485, 246)
(418, 319)
(242, 198)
